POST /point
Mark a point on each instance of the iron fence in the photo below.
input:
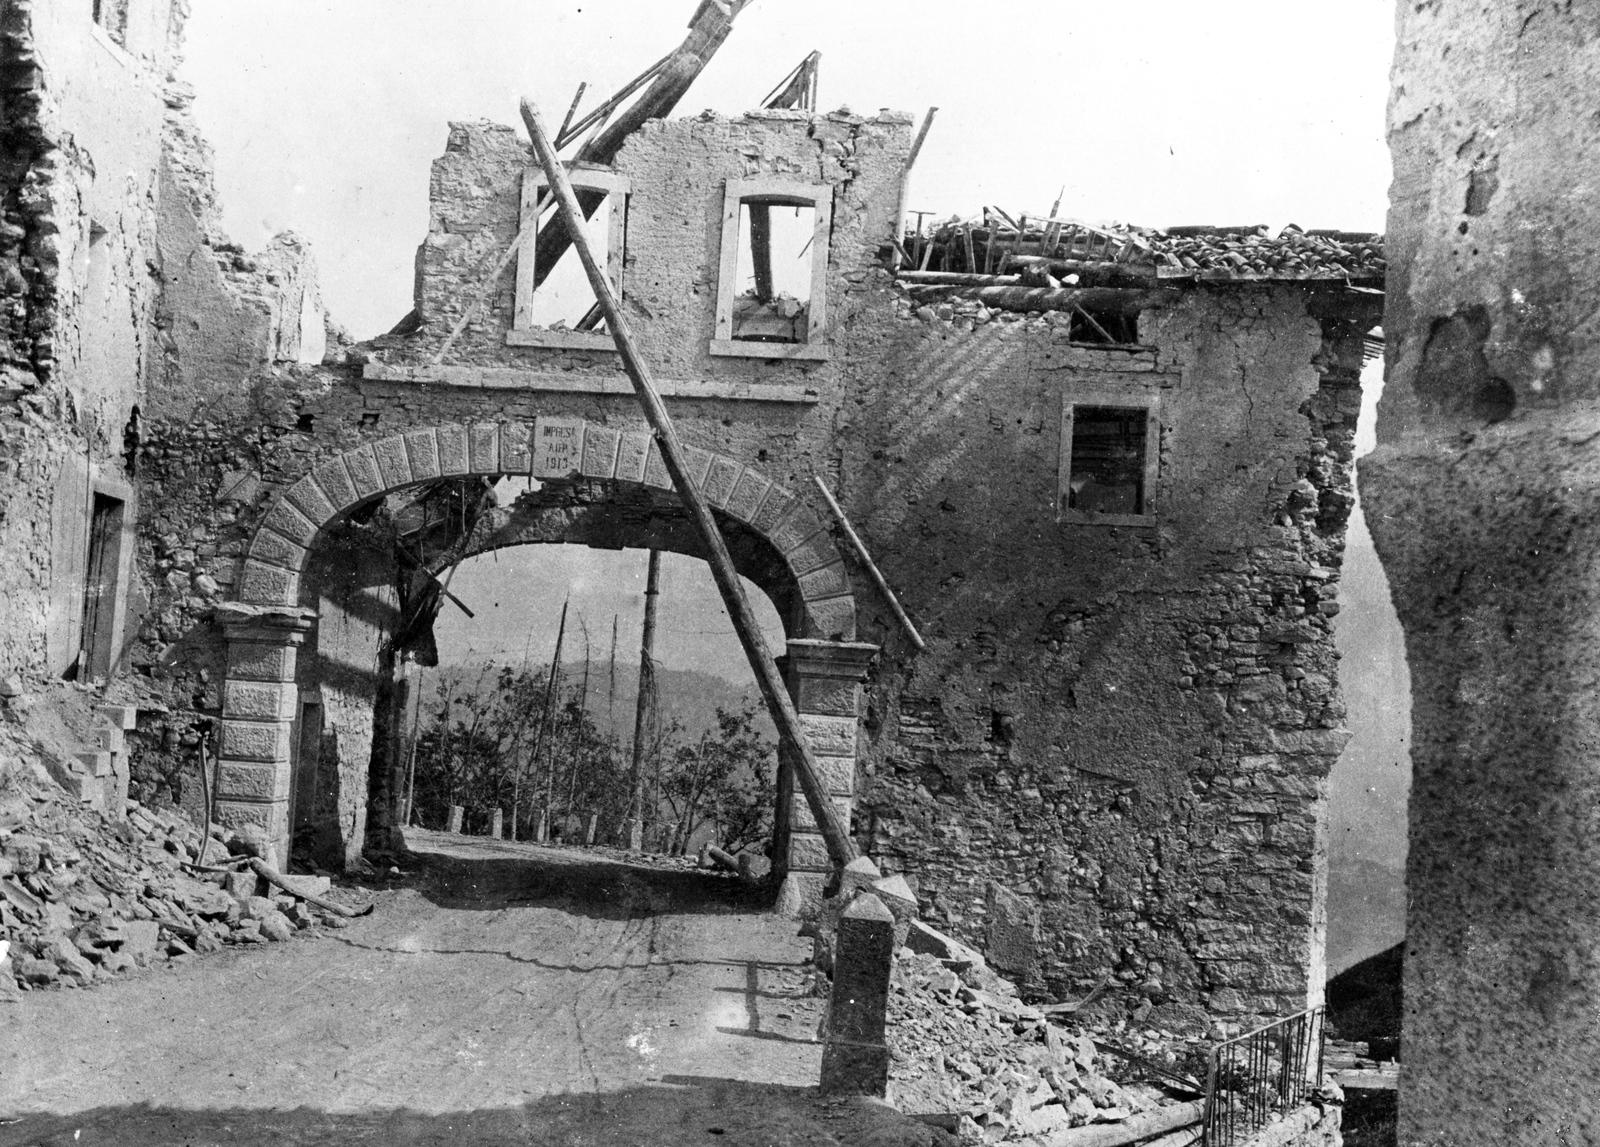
(1272, 1070)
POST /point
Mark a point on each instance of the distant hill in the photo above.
(1366, 911)
(690, 696)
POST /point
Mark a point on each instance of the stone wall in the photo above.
(1484, 494)
(1112, 756)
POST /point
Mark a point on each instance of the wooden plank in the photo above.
(841, 849)
(528, 235)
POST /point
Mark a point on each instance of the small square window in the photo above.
(1109, 459)
(772, 283)
(556, 307)
(1092, 326)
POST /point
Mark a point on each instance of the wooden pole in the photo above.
(550, 716)
(871, 566)
(645, 705)
(840, 847)
(905, 177)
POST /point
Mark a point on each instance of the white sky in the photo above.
(325, 114)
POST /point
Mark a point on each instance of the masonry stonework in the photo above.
(1484, 496)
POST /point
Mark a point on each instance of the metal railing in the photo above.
(1270, 1071)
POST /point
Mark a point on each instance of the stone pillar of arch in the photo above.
(259, 698)
(824, 679)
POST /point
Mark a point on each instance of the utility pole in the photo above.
(645, 710)
(547, 730)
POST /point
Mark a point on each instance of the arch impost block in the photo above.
(850, 660)
(266, 625)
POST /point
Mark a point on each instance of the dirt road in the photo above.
(509, 994)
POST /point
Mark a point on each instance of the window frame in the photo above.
(584, 177)
(776, 193)
(1150, 403)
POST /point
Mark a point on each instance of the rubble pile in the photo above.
(963, 1043)
(86, 898)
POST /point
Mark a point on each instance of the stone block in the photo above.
(808, 852)
(336, 484)
(929, 941)
(107, 738)
(307, 497)
(815, 553)
(772, 510)
(262, 584)
(483, 448)
(1012, 932)
(273, 549)
(834, 696)
(255, 740)
(286, 520)
(832, 618)
(829, 581)
(268, 819)
(720, 480)
(800, 813)
(857, 876)
(246, 780)
(655, 469)
(830, 736)
(838, 775)
(362, 465)
(698, 463)
(125, 717)
(633, 453)
(394, 466)
(451, 442)
(241, 885)
(259, 661)
(600, 446)
(423, 450)
(456, 813)
(258, 700)
(798, 525)
(516, 452)
(96, 762)
(855, 1058)
(557, 447)
(747, 494)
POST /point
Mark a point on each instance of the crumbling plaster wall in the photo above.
(81, 128)
(1483, 496)
(1126, 730)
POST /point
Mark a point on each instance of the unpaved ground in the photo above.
(512, 994)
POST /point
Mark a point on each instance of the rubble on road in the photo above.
(962, 1043)
(85, 898)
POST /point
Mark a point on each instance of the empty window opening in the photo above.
(773, 303)
(101, 586)
(1109, 460)
(555, 304)
(564, 300)
(772, 280)
(1099, 327)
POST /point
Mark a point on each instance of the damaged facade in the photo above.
(1115, 509)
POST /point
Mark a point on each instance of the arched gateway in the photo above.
(270, 620)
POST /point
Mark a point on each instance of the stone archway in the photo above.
(269, 622)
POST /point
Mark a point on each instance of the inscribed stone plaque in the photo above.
(557, 447)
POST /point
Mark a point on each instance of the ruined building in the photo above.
(1110, 485)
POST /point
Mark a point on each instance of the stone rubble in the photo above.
(962, 1043)
(85, 898)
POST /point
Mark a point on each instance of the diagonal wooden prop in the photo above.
(840, 847)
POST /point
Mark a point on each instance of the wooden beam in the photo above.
(773, 691)
(871, 566)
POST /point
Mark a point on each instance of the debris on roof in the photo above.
(999, 250)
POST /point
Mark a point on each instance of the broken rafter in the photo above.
(668, 81)
(835, 833)
(1109, 299)
(871, 566)
(905, 175)
(799, 88)
(671, 77)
